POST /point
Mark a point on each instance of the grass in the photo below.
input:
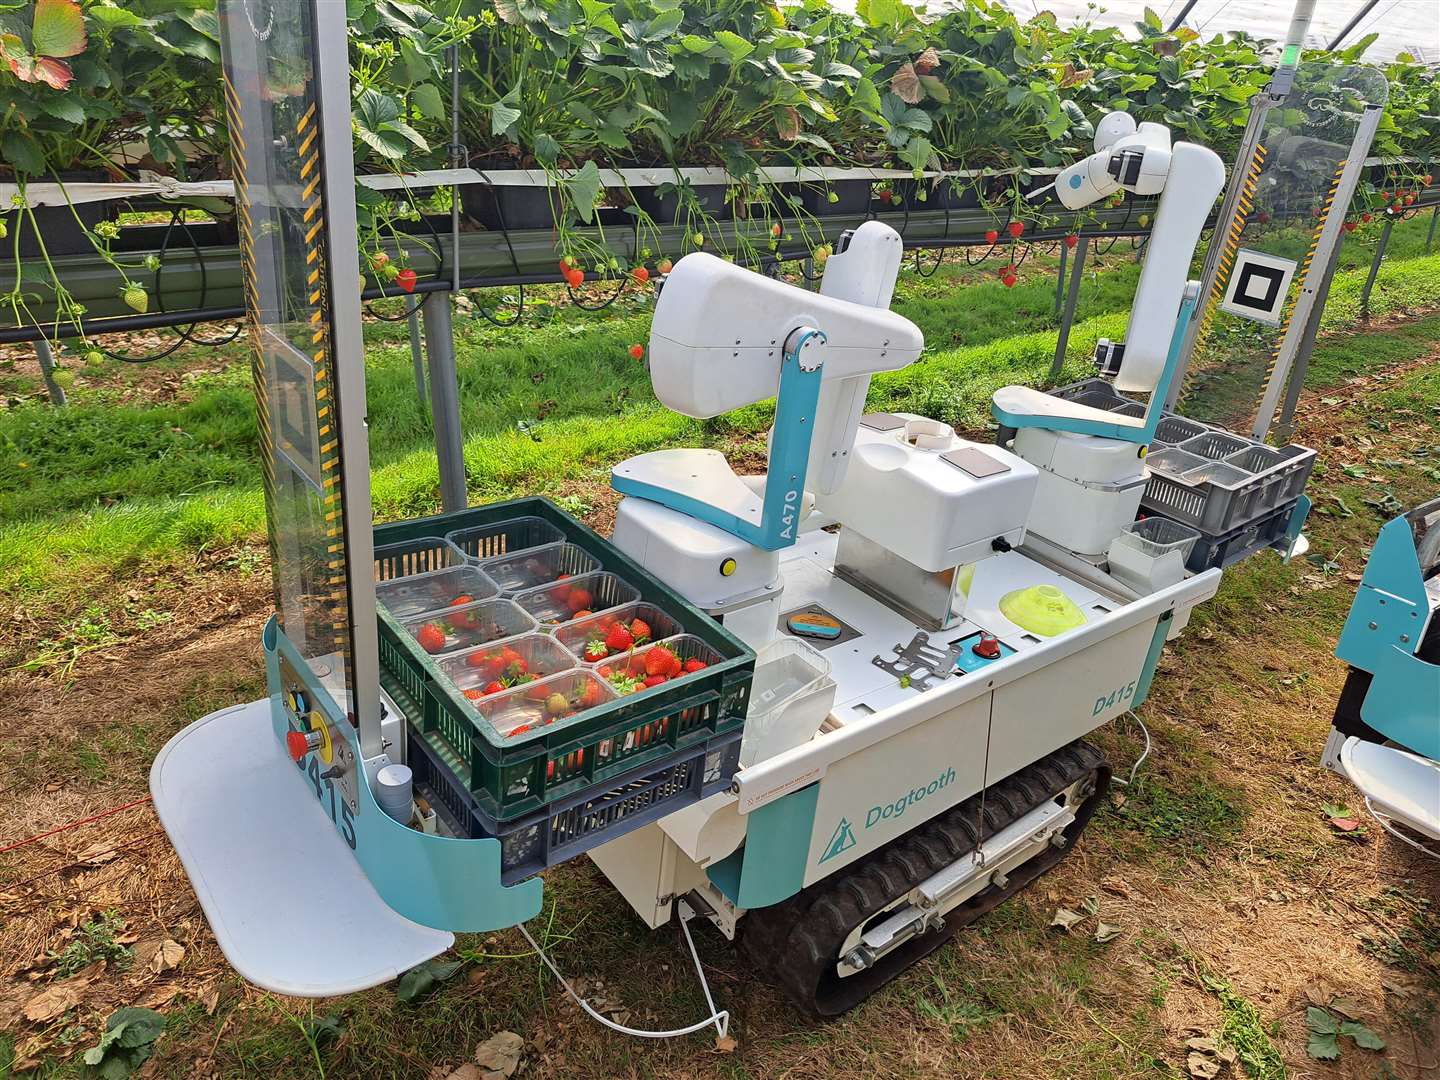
(1244, 1029)
(95, 941)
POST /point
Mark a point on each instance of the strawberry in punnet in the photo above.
(431, 637)
(518, 731)
(1015, 228)
(583, 613)
(465, 620)
(578, 599)
(618, 639)
(536, 692)
(992, 235)
(658, 661)
(406, 280)
(494, 686)
(591, 696)
(664, 266)
(1071, 240)
(640, 631)
(676, 668)
(605, 671)
(557, 704)
(693, 665)
(637, 351)
(640, 274)
(474, 694)
(655, 680)
(595, 649)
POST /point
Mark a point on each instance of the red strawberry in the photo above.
(1009, 281)
(575, 277)
(885, 195)
(654, 680)
(1071, 240)
(605, 671)
(619, 639)
(1015, 228)
(1427, 179)
(493, 687)
(583, 613)
(775, 229)
(676, 668)
(591, 695)
(637, 665)
(431, 637)
(536, 693)
(1349, 226)
(1263, 217)
(596, 650)
(578, 600)
(658, 660)
(480, 660)
(637, 351)
(991, 235)
(518, 731)
(640, 631)
(406, 280)
(1367, 217)
(474, 695)
(664, 266)
(640, 274)
(693, 665)
(567, 263)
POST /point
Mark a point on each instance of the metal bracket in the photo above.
(920, 662)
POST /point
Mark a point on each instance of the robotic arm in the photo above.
(724, 337)
(1188, 178)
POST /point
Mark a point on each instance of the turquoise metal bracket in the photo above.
(789, 461)
(1141, 436)
(770, 867)
(1286, 543)
(436, 881)
(1381, 635)
(1152, 659)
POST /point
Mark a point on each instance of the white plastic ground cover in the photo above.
(1395, 783)
(287, 900)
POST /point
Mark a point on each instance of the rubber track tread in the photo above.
(796, 943)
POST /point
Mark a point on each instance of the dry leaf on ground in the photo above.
(499, 1055)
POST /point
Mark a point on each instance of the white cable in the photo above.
(1385, 820)
(1141, 759)
(720, 1018)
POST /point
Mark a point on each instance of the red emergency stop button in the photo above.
(300, 743)
(987, 648)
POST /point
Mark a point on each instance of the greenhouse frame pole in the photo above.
(1380, 247)
(46, 357)
(1060, 279)
(1072, 298)
(445, 401)
(1365, 9)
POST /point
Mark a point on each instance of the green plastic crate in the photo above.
(508, 778)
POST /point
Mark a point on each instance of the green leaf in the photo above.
(428, 100)
(1320, 1021)
(408, 132)
(935, 88)
(114, 18)
(733, 44)
(1323, 1046)
(21, 151)
(59, 28)
(695, 43)
(423, 978)
(374, 110)
(836, 70)
(1362, 1035)
(64, 107)
(547, 150)
(504, 114)
(584, 188)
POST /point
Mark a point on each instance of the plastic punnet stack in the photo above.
(1240, 494)
(574, 700)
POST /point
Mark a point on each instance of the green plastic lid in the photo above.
(1041, 609)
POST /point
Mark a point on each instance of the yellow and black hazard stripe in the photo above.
(1226, 263)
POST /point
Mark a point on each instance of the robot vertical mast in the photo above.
(287, 93)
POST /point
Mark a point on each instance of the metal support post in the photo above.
(1375, 268)
(1301, 367)
(47, 371)
(1060, 279)
(417, 356)
(445, 401)
(1430, 236)
(1314, 279)
(457, 160)
(1072, 298)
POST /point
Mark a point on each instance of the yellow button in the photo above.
(727, 568)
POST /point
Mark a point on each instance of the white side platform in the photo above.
(1399, 785)
(287, 900)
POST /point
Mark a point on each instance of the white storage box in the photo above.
(790, 697)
